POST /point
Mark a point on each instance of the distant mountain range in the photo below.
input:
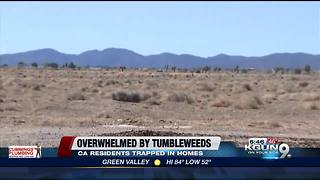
(113, 57)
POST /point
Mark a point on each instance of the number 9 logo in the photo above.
(284, 150)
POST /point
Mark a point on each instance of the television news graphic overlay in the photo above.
(269, 148)
(141, 151)
(24, 151)
(91, 146)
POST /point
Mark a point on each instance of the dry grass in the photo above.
(221, 103)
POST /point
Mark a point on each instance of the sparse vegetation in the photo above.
(297, 71)
(248, 102)
(303, 84)
(34, 64)
(76, 97)
(130, 96)
(180, 97)
(21, 64)
(206, 69)
(122, 68)
(107, 99)
(312, 97)
(51, 65)
(112, 82)
(71, 65)
(311, 106)
(36, 87)
(279, 70)
(307, 69)
(205, 87)
(247, 87)
(221, 102)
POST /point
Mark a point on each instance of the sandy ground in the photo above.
(41, 106)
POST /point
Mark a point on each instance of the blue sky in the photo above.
(199, 28)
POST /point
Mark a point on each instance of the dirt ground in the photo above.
(42, 105)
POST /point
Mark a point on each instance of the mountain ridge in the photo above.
(112, 57)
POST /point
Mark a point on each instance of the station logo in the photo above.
(24, 151)
(267, 148)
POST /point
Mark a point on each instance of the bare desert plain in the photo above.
(42, 105)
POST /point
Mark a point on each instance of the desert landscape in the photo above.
(42, 105)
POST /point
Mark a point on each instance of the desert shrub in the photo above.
(98, 83)
(129, 96)
(154, 102)
(312, 97)
(303, 84)
(307, 69)
(221, 102)
(268, 98)
(95, 90)
(275, 125)
(205, 87)
(34, 64)
(206, 69)
(36, 87)
(289, 87)
(154, 93)
(247, 87)
(71, 65)
(244, 71)
(152, 84)
(128, 82)
(248, 102)
(295, 78)
(180, 97)
(21, 64)
(279, 69)
(11, 109)
(51, 65)
(84, 89)
(76, 96)
(297, 71)
(311, 106)
(112, 82)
